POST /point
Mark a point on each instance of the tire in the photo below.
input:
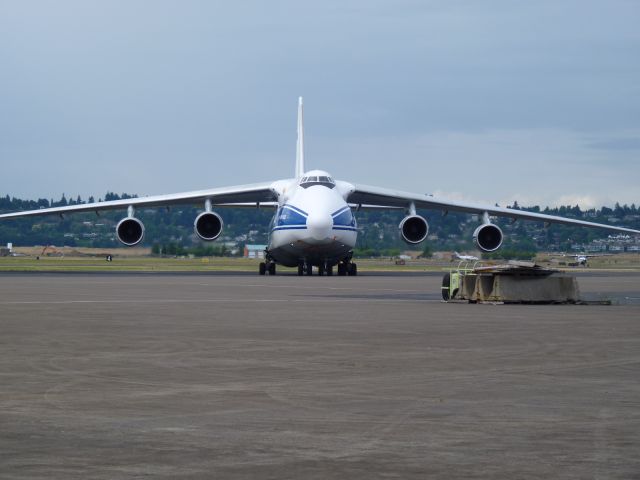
(446, 284)
(320, 270)
(342, 269)
(272, 268)
(262, 268)
(330, 271)
(352, 269)
(300, 269)
(309, 269)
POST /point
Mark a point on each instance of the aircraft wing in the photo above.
(363, 194)
(242, 194)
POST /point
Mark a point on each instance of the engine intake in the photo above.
(488, 237)
(208, 226)
(413, 229)
(130, 231)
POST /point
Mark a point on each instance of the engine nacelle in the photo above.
(130, 231)
(488, 237)
(208, 226)
(414, 229)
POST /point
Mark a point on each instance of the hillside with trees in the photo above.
(170, 230)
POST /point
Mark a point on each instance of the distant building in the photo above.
(254, 251)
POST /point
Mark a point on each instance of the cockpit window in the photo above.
(307, 182)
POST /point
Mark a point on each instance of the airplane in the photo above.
(466, 258)
(583, 258)
(313, 225)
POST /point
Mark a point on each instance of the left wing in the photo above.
(243, 194)
(363, 194)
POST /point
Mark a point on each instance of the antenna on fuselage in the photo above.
(300, 143)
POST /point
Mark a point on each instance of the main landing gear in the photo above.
(344, 268)
(347, 268)
(265, 267)
(323, 269)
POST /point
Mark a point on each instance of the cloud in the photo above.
(494, 98)
(620, 143)
(584, 201)
(533, 167)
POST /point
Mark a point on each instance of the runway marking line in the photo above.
(221, 300)
(316, 287)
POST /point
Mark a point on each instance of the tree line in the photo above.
(171, 230)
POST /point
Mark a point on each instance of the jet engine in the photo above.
(488, 237)
(130, 231)
(413, 229)
(208, 226)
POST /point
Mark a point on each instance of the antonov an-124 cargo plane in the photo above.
(313, 225)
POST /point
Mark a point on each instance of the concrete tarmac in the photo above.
(236, 376)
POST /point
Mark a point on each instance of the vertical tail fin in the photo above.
(300, 144)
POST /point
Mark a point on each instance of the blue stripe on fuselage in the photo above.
(303, 227)
(338, 212)
(344, 218)
(295, 209)
(289, 216)
(290, 227)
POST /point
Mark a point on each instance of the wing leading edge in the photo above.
(242, 194)
(265, 193)
(363, 194)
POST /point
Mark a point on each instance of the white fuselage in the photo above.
(313, 223)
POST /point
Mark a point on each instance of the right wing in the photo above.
(363, 194)
(243, 194)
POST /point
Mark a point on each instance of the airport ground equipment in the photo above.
(512, 282)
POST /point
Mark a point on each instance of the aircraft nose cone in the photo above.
(319, 225)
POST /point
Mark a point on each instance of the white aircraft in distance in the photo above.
(313, 224)
(583, 258)
(465, 258)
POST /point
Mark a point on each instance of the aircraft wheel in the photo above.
(353, 270)
(330, 270)
(342, 269)
(320, 269)
(309, 269)
(300, 269)
(272, 268)
(446, 285)
(262, 268)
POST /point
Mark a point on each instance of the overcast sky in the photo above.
(537, 102)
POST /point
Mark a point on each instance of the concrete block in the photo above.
(510, 288)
